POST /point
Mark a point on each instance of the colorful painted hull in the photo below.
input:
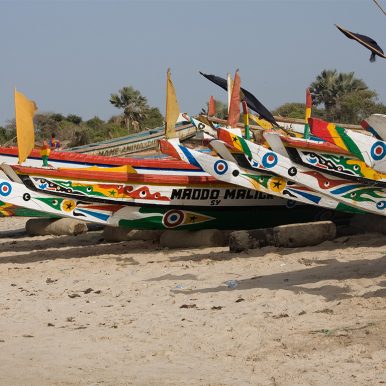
(370, 150)
(110, 187)
(165, 217)
(368, 198)
(59, 159)
(10, 210)
(341, 165)
(260, 180)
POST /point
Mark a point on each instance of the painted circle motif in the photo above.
(26, 196)
(269, 160)
(173, 218)
(5, 189)
(220, 167)
(378, 150)
(381, 205)
(235, 173)
(292, 171)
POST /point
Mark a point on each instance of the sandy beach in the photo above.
(79, 311)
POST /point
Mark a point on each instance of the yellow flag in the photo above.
(261, 122)
(24, 112)
(172, 108)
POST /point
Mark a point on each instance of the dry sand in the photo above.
(78, 311)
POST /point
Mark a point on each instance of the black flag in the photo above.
(252, 102)
(366, 41)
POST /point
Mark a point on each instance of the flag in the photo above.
(308, 114)
(211, 107)
(308, 104)
(24, 113)
(365, 41)
(246, 120)
(234, 105)
(172, 108)
(252, 101)
(229, 88)
(261, 122)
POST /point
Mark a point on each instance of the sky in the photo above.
(69, 56)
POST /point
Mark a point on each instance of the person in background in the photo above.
(54, 142)
(45, 153)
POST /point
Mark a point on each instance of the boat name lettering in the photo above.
(195, 194)
(213, 194)
(238, 194)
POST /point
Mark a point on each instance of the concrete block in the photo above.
(303, 235)
(288, 236)
(57, 227)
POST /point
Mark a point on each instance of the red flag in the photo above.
(234, 107)
(308, 98)
(211, 107)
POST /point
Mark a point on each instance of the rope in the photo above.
(379, 6)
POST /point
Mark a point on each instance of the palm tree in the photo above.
(330, 85)
(134, 106)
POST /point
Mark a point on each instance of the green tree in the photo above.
(45, 125)
(134, 105)
(75, 119)
(355, 106)
(330, 86)
(57, 117)
(153, 118)
(291, 110)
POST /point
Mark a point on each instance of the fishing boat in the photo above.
(368, 198)
(135, 143)
(156, 199)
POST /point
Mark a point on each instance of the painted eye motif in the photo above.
(340, 168)
(55, 202)
(356, 168)
(89, 189)
(353, 195)
(142, 193)
(326, 184)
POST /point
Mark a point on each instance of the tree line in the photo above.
(337, 97)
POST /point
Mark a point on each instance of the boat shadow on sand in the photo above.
(28, 250)
(327, 270)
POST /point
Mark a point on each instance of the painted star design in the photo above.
(235, 139)
(112, 193)
(193, 218)
(69, 206)
(277, 184)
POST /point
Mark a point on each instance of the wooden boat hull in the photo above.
(366, 198)
(337, 164)
(271, 212)
(135, 143)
